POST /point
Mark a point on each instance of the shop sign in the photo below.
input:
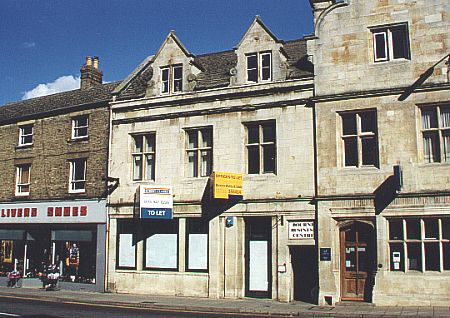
(228, 186)
(83, 211)
(155, 202)
(301, 230)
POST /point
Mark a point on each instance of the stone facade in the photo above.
(353, 79)
(274, 198)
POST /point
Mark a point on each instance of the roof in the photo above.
(216, 70)
(59, 102)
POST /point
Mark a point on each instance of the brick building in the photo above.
(53, 156)
(180, 119)
(382, 117)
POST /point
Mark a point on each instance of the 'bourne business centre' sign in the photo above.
(155, 202)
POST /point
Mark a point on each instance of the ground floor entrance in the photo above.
(357, 261)
(305, 270)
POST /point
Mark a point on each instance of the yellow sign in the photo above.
(228, 185)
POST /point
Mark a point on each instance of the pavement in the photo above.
(224, 307)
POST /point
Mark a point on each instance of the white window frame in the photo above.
(440, 132)
(143, 155)
(199, 169)
(260, 145)
(23, 136)
(72, 181)
(259, 60)
(76, 127)
(421, 241)
(359, 136)
(171, 80)
(386, 32)
(19, 182)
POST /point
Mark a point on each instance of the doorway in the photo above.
(305, 269)
(357, 261)
(258, 257)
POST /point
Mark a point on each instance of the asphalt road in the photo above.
(14, 307)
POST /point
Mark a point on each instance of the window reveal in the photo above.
(199, 149)
(261, 147)
(259, 67)
(436, 133)
(80, 127)
(23, 180)
(77, 182)
(390, 43)
(25, 135)
(171, 79)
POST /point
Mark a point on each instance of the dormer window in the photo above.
(259, 67)
(172, 79)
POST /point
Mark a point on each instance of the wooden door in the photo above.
(356, 261)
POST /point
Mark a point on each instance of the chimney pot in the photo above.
(96, 62)
(88, 60)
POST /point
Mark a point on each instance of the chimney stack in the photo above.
(91, 76)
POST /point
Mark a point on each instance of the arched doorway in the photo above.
(357, 260)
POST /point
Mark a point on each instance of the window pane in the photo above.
(446, 252)
(177, 72)
(177, 85)
(369, 151)
(413, 229)
(81, 132)
(150, 167)
(165, 80)
(446, 141)
(79, 169)
(368, 122)
(253, 134)
(137, 169)
(268, 132)
(127, 250)
(197, 230)
(269, 158)
(138, 143)
(252, 68)
(206, 138)
(351, 152)
(266, 69)
(252, 61)
(400, 42)
(445, 117)
(192, 163)
(380, 46)
(161, 251)
(396, 229)
(446, 228)
(429, 119)
(206, 163)
(432, 256)
(81, 121)
(349, 124)
(431, 151)
(397, 257)
(150, 143)
(253, 159)
(414, 256)
(350, 258)
(431, 229)
(192, 139)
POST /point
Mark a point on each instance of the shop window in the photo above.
(126, 244)
(259, 67)
(161, 245)
(197, 244)
(171, 79)
(199, 150)
(359, 138)
(261, 147)
(77, 181)
(426, 250)
(144, 157)
(436, 133)
(391, 43)
(26, 135)
(23, 183)
(80, 126)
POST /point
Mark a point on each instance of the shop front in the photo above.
(67, 234)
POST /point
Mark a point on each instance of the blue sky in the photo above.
(43, 43)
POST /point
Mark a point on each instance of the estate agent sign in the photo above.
(228, 185)
(155, 202)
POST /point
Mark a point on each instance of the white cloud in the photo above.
(61, 84)
(29, 45)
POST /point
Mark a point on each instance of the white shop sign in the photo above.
(75, 211)
(301, 230)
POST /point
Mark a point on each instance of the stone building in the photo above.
(382, 117)
(53, 156)
(181, 122)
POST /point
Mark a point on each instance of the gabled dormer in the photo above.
(174, 69)
(260, 57)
